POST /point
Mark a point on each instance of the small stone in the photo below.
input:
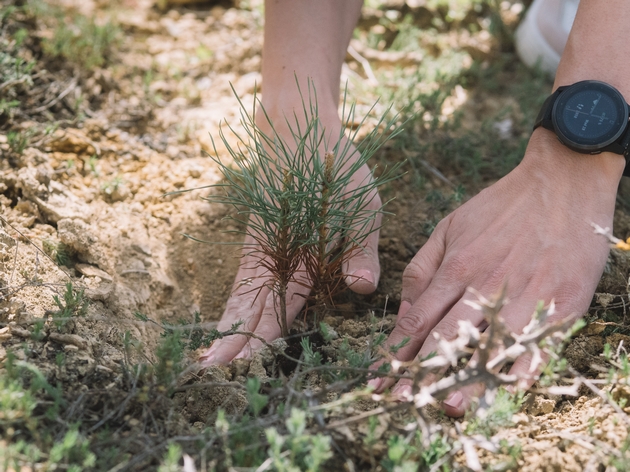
(541, 406)
(5, 334)
(92, 271)
(239, 367)
(604, 299)
(69, 339)
(195, 172)
(520, 419)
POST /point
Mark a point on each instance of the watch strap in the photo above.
(625, 145)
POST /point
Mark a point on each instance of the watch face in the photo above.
(590, 115)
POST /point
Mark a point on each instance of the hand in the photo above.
(532, 229)
(253, 302)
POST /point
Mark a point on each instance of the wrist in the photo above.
(598, 171)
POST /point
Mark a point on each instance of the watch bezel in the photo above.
(580, 144)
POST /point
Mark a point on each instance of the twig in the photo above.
(387, 57)
(185, 388)
(53, 102)
(365, 64)
(433, 170)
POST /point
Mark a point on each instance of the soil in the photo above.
(98, 187)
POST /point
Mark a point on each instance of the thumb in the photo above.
(362, 269)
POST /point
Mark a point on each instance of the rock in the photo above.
(540, 406)
(91, 271)
(239, 367)
(20, 332)
(116, 192)
(6, 241)
(257, 369)
(78, 236)
(73, 339)
(101, 293)
(83, 363)
(60, 204)
(520, 419)
(604, 299)
(354, 328)
(72, 141)
(200, 403)
(5, 334)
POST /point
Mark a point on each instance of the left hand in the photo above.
(532, 229)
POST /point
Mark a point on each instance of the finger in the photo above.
(245, 305)
(269, 328)
(528, 367)
(528, 370)
(362, 268)
(245, 309)
(420, 272)
(457, 402)
(516, 316)
(416, 324)
(446, 329)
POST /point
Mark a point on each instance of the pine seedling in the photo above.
(298, 196)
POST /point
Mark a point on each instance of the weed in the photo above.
(410, 455)
(298, 450)
(27, 401)
(18, 141)
(92, 166)
(6, 106)
(58, 251)
(81, 41)
(171, 459)
(111, 186)
(170, 354)
(257, 401)
(74, 303)
(497, 416)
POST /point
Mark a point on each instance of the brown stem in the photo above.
(323, 269)
(282, 262)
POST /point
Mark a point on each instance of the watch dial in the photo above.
(590, 115)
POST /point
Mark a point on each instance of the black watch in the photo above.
(589, 117)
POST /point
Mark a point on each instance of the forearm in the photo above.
(597, 49)
(598, 46)
(306, 39)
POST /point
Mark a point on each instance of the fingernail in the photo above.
(375, 384)
(402, 391)
(454, 400)
(404, 308)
